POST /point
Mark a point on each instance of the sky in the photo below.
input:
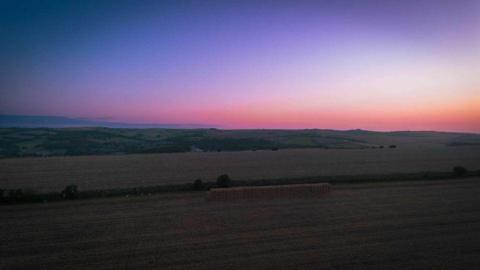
(368, 64)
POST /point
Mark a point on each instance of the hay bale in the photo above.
(267, 192)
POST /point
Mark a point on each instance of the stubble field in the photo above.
(122, 171)
(416, 225)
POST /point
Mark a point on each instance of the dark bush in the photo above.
(11, 195)
(275, 149)
(15, 194)
(198, 185)
(460, 171)
(392, 146)
(29, 195)
(70, 192)
(224, 181)
(381, 146)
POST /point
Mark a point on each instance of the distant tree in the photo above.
(224, 181)
(381, 146)
(275, 149)
(13, 194)
(392, 146)
(198, 184)
(17, 193)
(29, 194)
(70, 192)
(460, 171)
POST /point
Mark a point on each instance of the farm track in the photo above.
(411, 225)
(127, 171)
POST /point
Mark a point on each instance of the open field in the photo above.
(416, 225)
(121, 171)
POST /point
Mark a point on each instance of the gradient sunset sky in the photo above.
(373, 64)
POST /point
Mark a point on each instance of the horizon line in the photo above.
(193, 125)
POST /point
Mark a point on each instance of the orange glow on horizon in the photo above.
(457, 115)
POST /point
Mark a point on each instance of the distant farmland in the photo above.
(118, 171)
(25, 142)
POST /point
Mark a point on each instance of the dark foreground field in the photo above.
(416, 225)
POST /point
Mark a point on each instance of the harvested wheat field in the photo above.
(105, 172)
(416, 225)
(268, 192)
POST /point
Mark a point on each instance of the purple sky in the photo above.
(249, 64)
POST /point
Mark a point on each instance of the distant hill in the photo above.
(36, 121)
(18, 142)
